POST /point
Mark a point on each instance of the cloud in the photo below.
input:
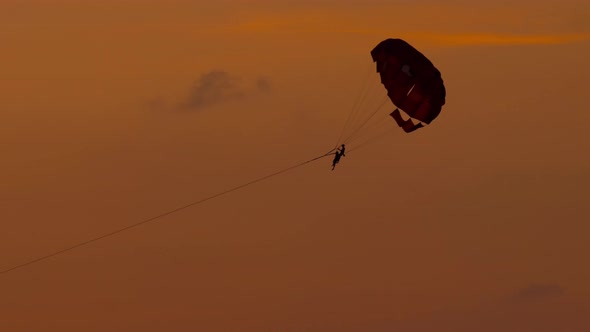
(505, 39)
(213, 88)
(263, 84)
(448, 24)
(156, 104)
(538, 291)
(217, 87)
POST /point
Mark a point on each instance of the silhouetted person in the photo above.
(338, 155)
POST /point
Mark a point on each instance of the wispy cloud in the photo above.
(263, 84)
(504, 39)
(538, 291)
(431, 22)
(213, 88)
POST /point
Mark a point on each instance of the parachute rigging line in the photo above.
(380, 124)
(371, 140)
(366, 105)
(354, 110)
(120, 230)
(366, 120)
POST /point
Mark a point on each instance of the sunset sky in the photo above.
(478, 222)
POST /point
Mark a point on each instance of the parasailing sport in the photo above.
(413, 84)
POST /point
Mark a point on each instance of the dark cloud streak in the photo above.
(217, 87)
(539, 291)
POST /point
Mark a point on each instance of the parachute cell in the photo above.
(413, 83)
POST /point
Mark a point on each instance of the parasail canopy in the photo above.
(413, 83)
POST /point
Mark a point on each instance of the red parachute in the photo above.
(413, 83)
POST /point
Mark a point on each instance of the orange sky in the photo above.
(477, 222)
